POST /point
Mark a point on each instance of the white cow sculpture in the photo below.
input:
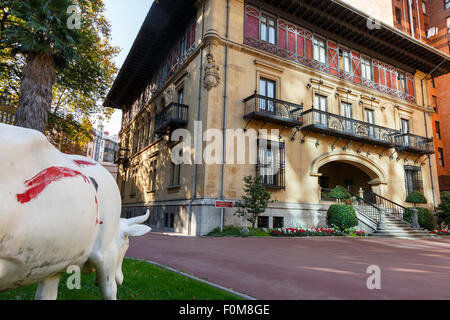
(58, 211)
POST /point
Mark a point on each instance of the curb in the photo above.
(238, 294)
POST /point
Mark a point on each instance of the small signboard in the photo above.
(224, 204)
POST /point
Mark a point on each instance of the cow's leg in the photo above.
(106, 277)
(48, 289)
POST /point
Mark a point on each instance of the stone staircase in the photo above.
(398, 229)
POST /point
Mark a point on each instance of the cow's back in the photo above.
(48, 211)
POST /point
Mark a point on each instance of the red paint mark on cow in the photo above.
(39, 182)
(84, 163)
(101, 222)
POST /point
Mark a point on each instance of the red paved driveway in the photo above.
(319, 268)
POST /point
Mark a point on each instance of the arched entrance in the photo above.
(348, 170)
(344, 174)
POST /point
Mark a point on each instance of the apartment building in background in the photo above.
(103, 149)
(321, 96)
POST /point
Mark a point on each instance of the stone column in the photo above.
(382, 224)
(415, 218)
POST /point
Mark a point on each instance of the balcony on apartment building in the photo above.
(348, 128)
(172, 117)
(270, 110)
(408, 142)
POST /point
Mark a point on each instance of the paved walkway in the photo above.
(318, 268)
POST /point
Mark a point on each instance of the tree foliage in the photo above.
(342, 216)
(339, 193)
(443, 210)
(83, 57)
(254, 201)
(416, 197)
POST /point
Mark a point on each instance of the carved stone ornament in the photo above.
(211, 78)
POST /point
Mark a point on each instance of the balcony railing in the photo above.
(415, 144)
(175, 115)
(266, 109)
(347, 128)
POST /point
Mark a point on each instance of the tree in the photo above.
(51, 67)
(443, 210)
(339, 193)
(254, 201)
(416, 197)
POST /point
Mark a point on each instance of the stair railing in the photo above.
(392, 209)
(370, 210)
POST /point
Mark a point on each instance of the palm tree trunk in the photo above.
(36, 91)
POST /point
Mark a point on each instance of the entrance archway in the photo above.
(343, 174)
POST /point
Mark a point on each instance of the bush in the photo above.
(443, 211)
(416, 197)
(426, 218)
(342, 216)
(339, 193)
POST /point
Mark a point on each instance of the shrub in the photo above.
(416, 197)
(443, 211)
(425, 217)
(339, 193)
(342, 216)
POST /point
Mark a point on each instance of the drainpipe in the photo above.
(426, 129)
(418, 19)
(194, 187)
(224, 129)
(411, 17)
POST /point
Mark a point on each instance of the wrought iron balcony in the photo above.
(174, 116)
(347, 128)
(414, 144)
(271, 110)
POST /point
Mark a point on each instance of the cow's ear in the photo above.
(137, 230)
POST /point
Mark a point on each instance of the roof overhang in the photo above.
(167, 19)
(165, 22)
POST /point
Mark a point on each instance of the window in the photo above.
(152, 177)
(263, 222)
(441, 157)
(169, 220)
(438, 129)
(413, 179)
(320, 50)
(268, 29)
(448, 25)
(405, 131)
(267, 89)
(123, 185)
(433, 83)
(366, 68)
(401, 82)
(347, 112)
(435, 104)
(270, 167)
(175, 174)
(447, 4)
(321, 104)
(345, 60)
(278, 222)
(424, 8)
(133, 182)
(370, 118)
(398, 16)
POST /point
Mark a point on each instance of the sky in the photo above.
(126, 18)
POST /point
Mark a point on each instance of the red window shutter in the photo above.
(394, 80)
(282, 37)
(333, 57)
(410, 84)
(356, 66)
(251, 23)
(300, 46)
(309, 51)
(376, 76)
(291, 43)
(388, 78)
(382, 76)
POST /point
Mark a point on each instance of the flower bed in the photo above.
(318, 232)
(441, 232)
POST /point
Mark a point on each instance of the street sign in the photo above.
(224, 204)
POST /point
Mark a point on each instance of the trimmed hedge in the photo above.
(342, 216)
(426, 218)
(339, 193)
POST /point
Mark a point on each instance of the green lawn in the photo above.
(143, 281)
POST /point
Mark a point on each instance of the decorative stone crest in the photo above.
(211, 78)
